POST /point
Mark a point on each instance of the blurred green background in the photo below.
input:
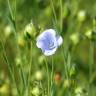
(75, 20)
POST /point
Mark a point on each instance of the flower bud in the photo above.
(36, 91)
(39, 75)
(58, 76)
(7, 31)
(5, 90)
(91, 34)
(21, 41)
(81, 16)
(81, 91)
(78, 90)
(75, 38)
(66, 83)
(41, 59)
(94, 35)
(18, 61)
(88, 34)
(30, 31)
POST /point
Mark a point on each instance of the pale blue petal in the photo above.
(48, 33)
(59, 40)
(39, 44)
(51, 31)
(50, 52)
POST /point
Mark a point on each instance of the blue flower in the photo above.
(49, 41)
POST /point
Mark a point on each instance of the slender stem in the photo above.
(65, 62)
(30, 66)
(61, 16)
(22, 77)
(15, 10)
(9, 66)
(41, 85)
(53, 9)
(48, 77)
(52, 75)
(91, 62)
(13, 16)
(10, 9)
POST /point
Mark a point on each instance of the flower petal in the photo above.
(59, 40)
(51, 31)
(48, 33)
(50, 52)
(39, 44)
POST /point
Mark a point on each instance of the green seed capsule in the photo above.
(30, 31)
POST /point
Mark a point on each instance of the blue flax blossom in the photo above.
(49, 41)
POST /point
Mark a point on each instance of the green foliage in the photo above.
(71, 71)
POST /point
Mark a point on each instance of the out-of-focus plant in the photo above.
(70, 71)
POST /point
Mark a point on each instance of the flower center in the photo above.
(51, 45)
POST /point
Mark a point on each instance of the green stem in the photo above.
(30, 67)
(10, 10)
(22, 78)
(91, 62)
(52, 75)
(65, 63)
(15, 10)
(11, 70)
(48, 77)
(13, 17)
(61, 16)
(53, 9)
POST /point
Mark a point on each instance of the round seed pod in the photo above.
(75, 38)
(39, 75)
(66, 83)
(91, 34)
(5, 90)
(81, 16)
(58, 76)
(35, 91)
(21, 41)
(30, 31)
(7, 31)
